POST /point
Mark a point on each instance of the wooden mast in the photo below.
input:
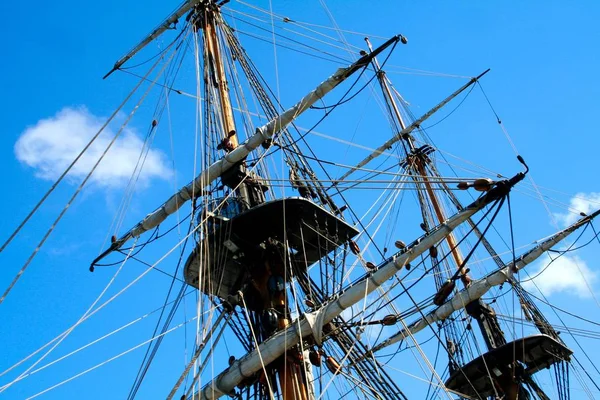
(418, 162)
(292, 379)
(508, 384)
(213, 51)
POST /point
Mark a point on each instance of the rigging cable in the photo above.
(93, 342)
(63, 336)
(82, 184)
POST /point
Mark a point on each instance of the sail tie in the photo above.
(315, 321)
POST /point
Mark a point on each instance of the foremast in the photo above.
(417, 163)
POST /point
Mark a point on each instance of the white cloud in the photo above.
(581, 202)
(567, 274)
(52, 144)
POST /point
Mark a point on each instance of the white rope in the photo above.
(250, 324)
(94, 341)
(110, 359)
(79, 322)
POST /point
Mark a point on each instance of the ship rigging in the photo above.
(281, 260)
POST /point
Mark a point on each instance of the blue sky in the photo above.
(543, 84)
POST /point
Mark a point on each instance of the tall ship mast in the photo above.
(297, 270)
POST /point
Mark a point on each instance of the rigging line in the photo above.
(437, 353)
(408, 347)
(514, 262)
(563, 310)
(250, 324)
(80, 187)
(88, 314)
(198, 351)
(156, 55)
(263, 39)
(462, 240)
(425, 72)
(561, 253)
(358, 383)
(330, 110)
(294, 32)
(346, 356)
(337, 29)
(541, 197)
(151, 351)
(141, 374)
(349, 98)
(155, 268)
(115, 331)
(453, 110)
(200, 369)
(68, 331)
(568, 330)
(370, 181)
(586, 372)
(290, 21)
(110, 359)
(309, 24)
(133, 180)
(441, 343)
(171, 74)
(388, 198)
(374, 172)
(442, 386)
(291, 40)
(589, 334)
(66, 171)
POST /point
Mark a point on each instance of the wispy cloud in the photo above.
(581, 202)
(52, 144)
(568, 274)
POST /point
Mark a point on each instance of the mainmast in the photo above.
(207, 17)
(272, 304)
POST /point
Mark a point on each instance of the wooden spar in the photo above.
(381, 77)
(480, 287)
(275, 346)
(214, 51)
(194, 188)
(450, 239)
(159, 30)
(378, 151)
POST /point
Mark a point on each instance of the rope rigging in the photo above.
(347, 342)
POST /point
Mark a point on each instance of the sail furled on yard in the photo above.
(479, 287)
(263, 133)
(276, 345)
